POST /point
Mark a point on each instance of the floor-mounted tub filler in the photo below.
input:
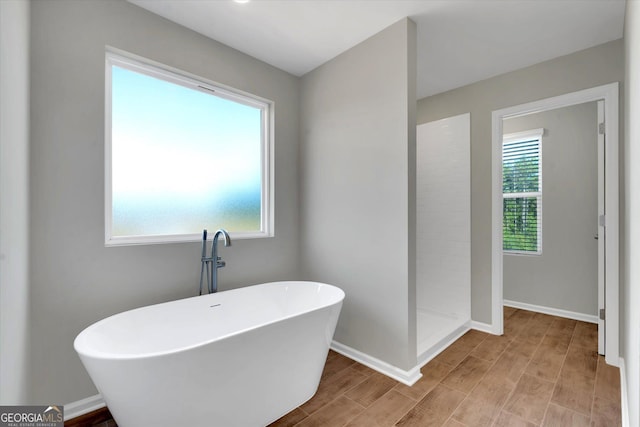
(243, 357)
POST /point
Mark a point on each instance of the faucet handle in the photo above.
(221, 263)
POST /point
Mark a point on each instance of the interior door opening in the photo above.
(603, 235)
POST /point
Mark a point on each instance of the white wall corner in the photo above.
(409, 377)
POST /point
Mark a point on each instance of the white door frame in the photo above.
(608, 93)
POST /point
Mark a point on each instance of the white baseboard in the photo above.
(405, 377)
(624, 398)
(84, 406)
(589, 318)
(482, 327)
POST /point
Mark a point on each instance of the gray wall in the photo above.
(75, 279)
(630, 324)
(581, 70)
(565, 276)
(358, 190)
(14, 203)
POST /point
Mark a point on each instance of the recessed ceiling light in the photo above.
(241, 1)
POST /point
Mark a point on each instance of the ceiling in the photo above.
(459, 41)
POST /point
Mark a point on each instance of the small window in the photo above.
(522, 192)
(183, 154)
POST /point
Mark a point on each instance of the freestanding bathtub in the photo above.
(243, 357)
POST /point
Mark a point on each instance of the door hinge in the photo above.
(600, 128)
(602, 314)
(602, 220)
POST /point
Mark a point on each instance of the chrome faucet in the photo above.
(215, 261)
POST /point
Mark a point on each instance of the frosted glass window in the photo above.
(182, 155)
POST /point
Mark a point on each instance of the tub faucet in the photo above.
(215, 261)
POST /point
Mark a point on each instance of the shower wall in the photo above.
(443, 246)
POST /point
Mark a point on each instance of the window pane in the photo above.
(521, 228)
(520, 166)
(182, 159)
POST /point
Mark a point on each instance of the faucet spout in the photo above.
(222, 232)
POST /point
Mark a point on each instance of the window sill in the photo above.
(177, 238)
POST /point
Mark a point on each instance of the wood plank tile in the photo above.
(363, 369)
(432, 373)
(543, 319)
(535, 329)
(385, 412)
(467, 374)
(329, 390)
(581, 360)
(585, 335)
(337, 413)
(548, 358)
(472, 338)
(530, 398)
(291, 419)
(517, 322)
(335, 363)
(574, 391)
(508, 368)
(491, 348)
(561, 327)
(453, 423)
(455, 353)
(524, 346)
(483, 405)
(606, 413)
(434, 409)
(509, 420)
(557, 416)
(371, 389)
(607, 380)
(507, 312)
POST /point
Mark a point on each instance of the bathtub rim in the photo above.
(101, 355)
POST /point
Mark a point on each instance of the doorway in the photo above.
(606, 223)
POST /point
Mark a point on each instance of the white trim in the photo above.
(525, 134)
(482, 327)
(589, 318)
(122, 59)
(521, 195)
(84, 406)
(608, 93)
(624, 397)
(405, 377)
(442, 345)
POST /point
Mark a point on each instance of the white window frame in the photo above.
(154, 69)
(528, 135)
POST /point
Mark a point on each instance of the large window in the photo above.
(522, 192)
(183, 154)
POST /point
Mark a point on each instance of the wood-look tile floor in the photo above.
(544, 371)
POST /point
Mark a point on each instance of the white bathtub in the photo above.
(243, 357)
